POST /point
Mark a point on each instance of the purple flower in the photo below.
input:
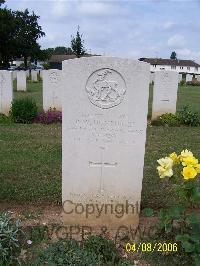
(49, 117)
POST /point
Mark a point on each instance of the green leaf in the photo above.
(196, 194)
(183, 237)
(175, 212)
(147, 212)
(193, 218)
(188, 246)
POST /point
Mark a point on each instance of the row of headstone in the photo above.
(34, 74)
(164, 91)
(104, 114)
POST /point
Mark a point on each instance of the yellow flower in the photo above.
(174, 157)
(164, 172)
(165, 167)
(190, 160)
(186, 153)
(189, 172)
(197, 168)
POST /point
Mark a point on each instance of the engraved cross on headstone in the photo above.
(102, 164)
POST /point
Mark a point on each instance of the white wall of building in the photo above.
(179, 69)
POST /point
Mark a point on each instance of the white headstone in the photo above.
(189, 77)
(34, 76)
(180, 77)
(164, 93)
(52, 89)
(21, 80)
(104, 107)
(198, 77)
(6, 91)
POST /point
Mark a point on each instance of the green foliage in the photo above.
(62, 50)
(193, 83)
(66, 252)
(187, 117)
(187, 233)
(28, 31)
(4, 119)
(167, 216)
(46, 66)
(2, 2)
(103, 248)
(77, 44)
(173, 55)
(95, 251)
(10, 246)
(147, 212)
(182, 82)
(23, 110)
(183, 117)
(19, 33)
(7, 33)
(168, 119)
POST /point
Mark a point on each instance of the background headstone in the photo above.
(34, 77)
(188, 77)
(180, 77)
(6, 91)
(164, 93)
(52, 89)
(104, 107)
(21, 80)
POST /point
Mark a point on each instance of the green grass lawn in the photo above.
(30, 156)
(30, 169)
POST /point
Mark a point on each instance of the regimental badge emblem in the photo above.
(106, 88)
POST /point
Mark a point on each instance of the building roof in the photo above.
(58, 58)
(170, 62)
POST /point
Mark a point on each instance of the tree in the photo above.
(2, 2)
(173, 55)
(27, 34)
(62, 50)
(77, 44)
(7, 36)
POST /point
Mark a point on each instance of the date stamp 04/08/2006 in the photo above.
(151, 247)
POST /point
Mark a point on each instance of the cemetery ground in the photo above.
(30, 168)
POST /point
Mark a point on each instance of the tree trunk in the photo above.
(25, 61)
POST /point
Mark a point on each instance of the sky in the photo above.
(131, 29)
